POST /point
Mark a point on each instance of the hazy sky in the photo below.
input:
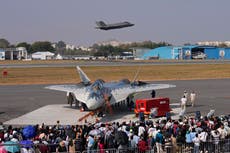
(73, 21)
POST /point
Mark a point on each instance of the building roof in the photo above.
(42, 53)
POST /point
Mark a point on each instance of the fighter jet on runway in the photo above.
(100, 94)
(101, 25)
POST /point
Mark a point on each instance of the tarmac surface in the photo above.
(66, 63)
(50, 106)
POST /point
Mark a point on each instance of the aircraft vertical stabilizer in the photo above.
(84, 78)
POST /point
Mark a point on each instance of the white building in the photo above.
(58, 57)
(18, 53)
(42, 55)
(70, 47)
(214, 43)
(83, 48)
(54, 45)
(2, 54)
(113, 43)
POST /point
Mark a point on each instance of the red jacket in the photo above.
(141, 145)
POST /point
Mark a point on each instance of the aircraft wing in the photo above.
(76, 89)
(121, 94)
(66, 88)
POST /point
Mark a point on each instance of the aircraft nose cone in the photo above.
(93, 104)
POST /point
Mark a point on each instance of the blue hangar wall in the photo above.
(187, 52)
(160, 53)
(168, 52)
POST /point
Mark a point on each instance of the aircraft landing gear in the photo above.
(83, 107)
(100, 114)
(71, 101)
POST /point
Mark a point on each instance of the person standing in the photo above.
(196, 142)
(183, 107)
(216, 139)
(90, 141)
(186, 94)
(174, 143)
(153, 93)
(71, 146)
(192, 98)
(141, 145)
(203, 139)
(183, 102)
(159, 141)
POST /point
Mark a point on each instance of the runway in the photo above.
(19, 100)
(67, 63)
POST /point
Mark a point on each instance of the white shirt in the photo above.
(151, 131)
(141, 130)
(192, 96)
(136, 139)
(183, 101)
(203, 136)
(196, 141)
(222, 132)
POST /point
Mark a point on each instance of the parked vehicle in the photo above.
(199, 55)
(145, 105)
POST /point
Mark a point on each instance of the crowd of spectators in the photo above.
(159, 133)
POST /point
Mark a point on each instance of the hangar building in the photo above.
(42, 55)
(187, 52)
(138, 52)
(18, 53)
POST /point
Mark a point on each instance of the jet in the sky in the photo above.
(100, 94)
(101, 25)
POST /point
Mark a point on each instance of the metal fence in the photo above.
(222, 146)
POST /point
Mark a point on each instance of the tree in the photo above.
(61, 45)
(42, 46)
(223, 45)
(105, 50)
(4, 43)
(187, 44)
(26, 45)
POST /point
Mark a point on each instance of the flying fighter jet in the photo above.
(100, 94)
(101, 25)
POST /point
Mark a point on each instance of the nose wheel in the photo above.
(100, 114)
(83, 107)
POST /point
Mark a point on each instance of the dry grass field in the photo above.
(61, 75)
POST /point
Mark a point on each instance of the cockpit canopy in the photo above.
(97, 85)
(97, 90)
